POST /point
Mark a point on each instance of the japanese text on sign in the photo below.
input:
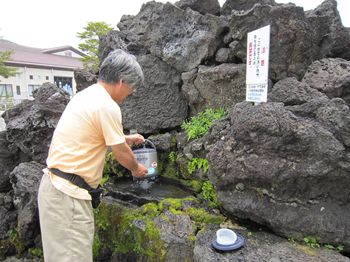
(258, 45)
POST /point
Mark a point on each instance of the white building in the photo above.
(36, 66)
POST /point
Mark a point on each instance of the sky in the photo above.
(53, 23)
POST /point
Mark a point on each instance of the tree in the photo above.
(91, 36)
(6, 71)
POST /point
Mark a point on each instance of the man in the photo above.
(90, 123)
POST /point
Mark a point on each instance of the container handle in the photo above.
(150, 142)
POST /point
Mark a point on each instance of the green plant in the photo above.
(6, 71)
(209, 194)
(196, 164)
(90, 36)
(36, 252)
(311, 242)
(199, 125)
(172, 157)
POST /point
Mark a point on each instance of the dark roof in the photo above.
(37, 57)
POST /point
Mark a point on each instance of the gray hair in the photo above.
(119, 65)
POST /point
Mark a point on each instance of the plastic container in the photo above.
(148, 157)
(225, 236)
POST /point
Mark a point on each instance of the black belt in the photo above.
(96, 194)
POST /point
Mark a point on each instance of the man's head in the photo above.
(120, 66)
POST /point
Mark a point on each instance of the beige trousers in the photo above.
(66, 223)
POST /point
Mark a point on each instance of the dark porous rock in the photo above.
(260, 246)
(8, 161)
(175, 231)
(182, 38)
(30, 124)
(163, 142)
(25, 179)
(84, 78)
(292, 45)
(215, 87)
(8, 215)
(294, 170)
(292, 92)
(110, 42)
(330, 76)
(225, 55)
(159, 104)
(332, 37)
(240, 5)
(202, 6)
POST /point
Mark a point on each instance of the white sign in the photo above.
(258, 46)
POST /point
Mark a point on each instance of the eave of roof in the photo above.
(23, 55)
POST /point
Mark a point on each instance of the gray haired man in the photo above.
(90, 124)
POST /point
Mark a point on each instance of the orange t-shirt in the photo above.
(91, 122)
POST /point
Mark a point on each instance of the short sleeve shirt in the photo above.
(91, 122)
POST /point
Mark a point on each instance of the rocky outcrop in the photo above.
(181, 38)
(25, 179)
(30, 125)
(159, 104)
(330, 34)
(202, 6)
(214, 87)
(84, 78)
(259, 247)
(330, 76)
(292, 45)
(286, 166)
(242, 5)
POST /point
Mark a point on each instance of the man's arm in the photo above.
(126, 158)
(134, 139)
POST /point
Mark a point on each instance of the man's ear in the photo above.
(119, 83)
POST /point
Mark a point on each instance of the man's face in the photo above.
(123, 92)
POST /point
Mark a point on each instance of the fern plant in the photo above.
(199, 125)
(196, 164)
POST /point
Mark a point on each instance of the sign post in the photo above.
(258, 46)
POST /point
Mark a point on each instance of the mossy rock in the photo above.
(122, 232)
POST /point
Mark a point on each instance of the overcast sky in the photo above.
(52, 23)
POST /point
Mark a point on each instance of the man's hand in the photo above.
(140, 172)
(134, 139)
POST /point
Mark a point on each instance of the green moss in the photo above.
(150, 209)
(115, 231)
(168, 203)
(209, 194)
(133, 233)
(202, 216)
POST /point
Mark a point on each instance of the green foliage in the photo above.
(16, 240)
(209, 194)
(311, 242)
(36, 252)
(111, 167)
(197, 163)
(172, 157)
(199, 125)
(6, 71)
(90, 37)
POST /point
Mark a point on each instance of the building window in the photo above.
(68, 53)
(18, 90)
(31, 89)
(47, 77)
(6, 90)
(31, 77)
(65, 83)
